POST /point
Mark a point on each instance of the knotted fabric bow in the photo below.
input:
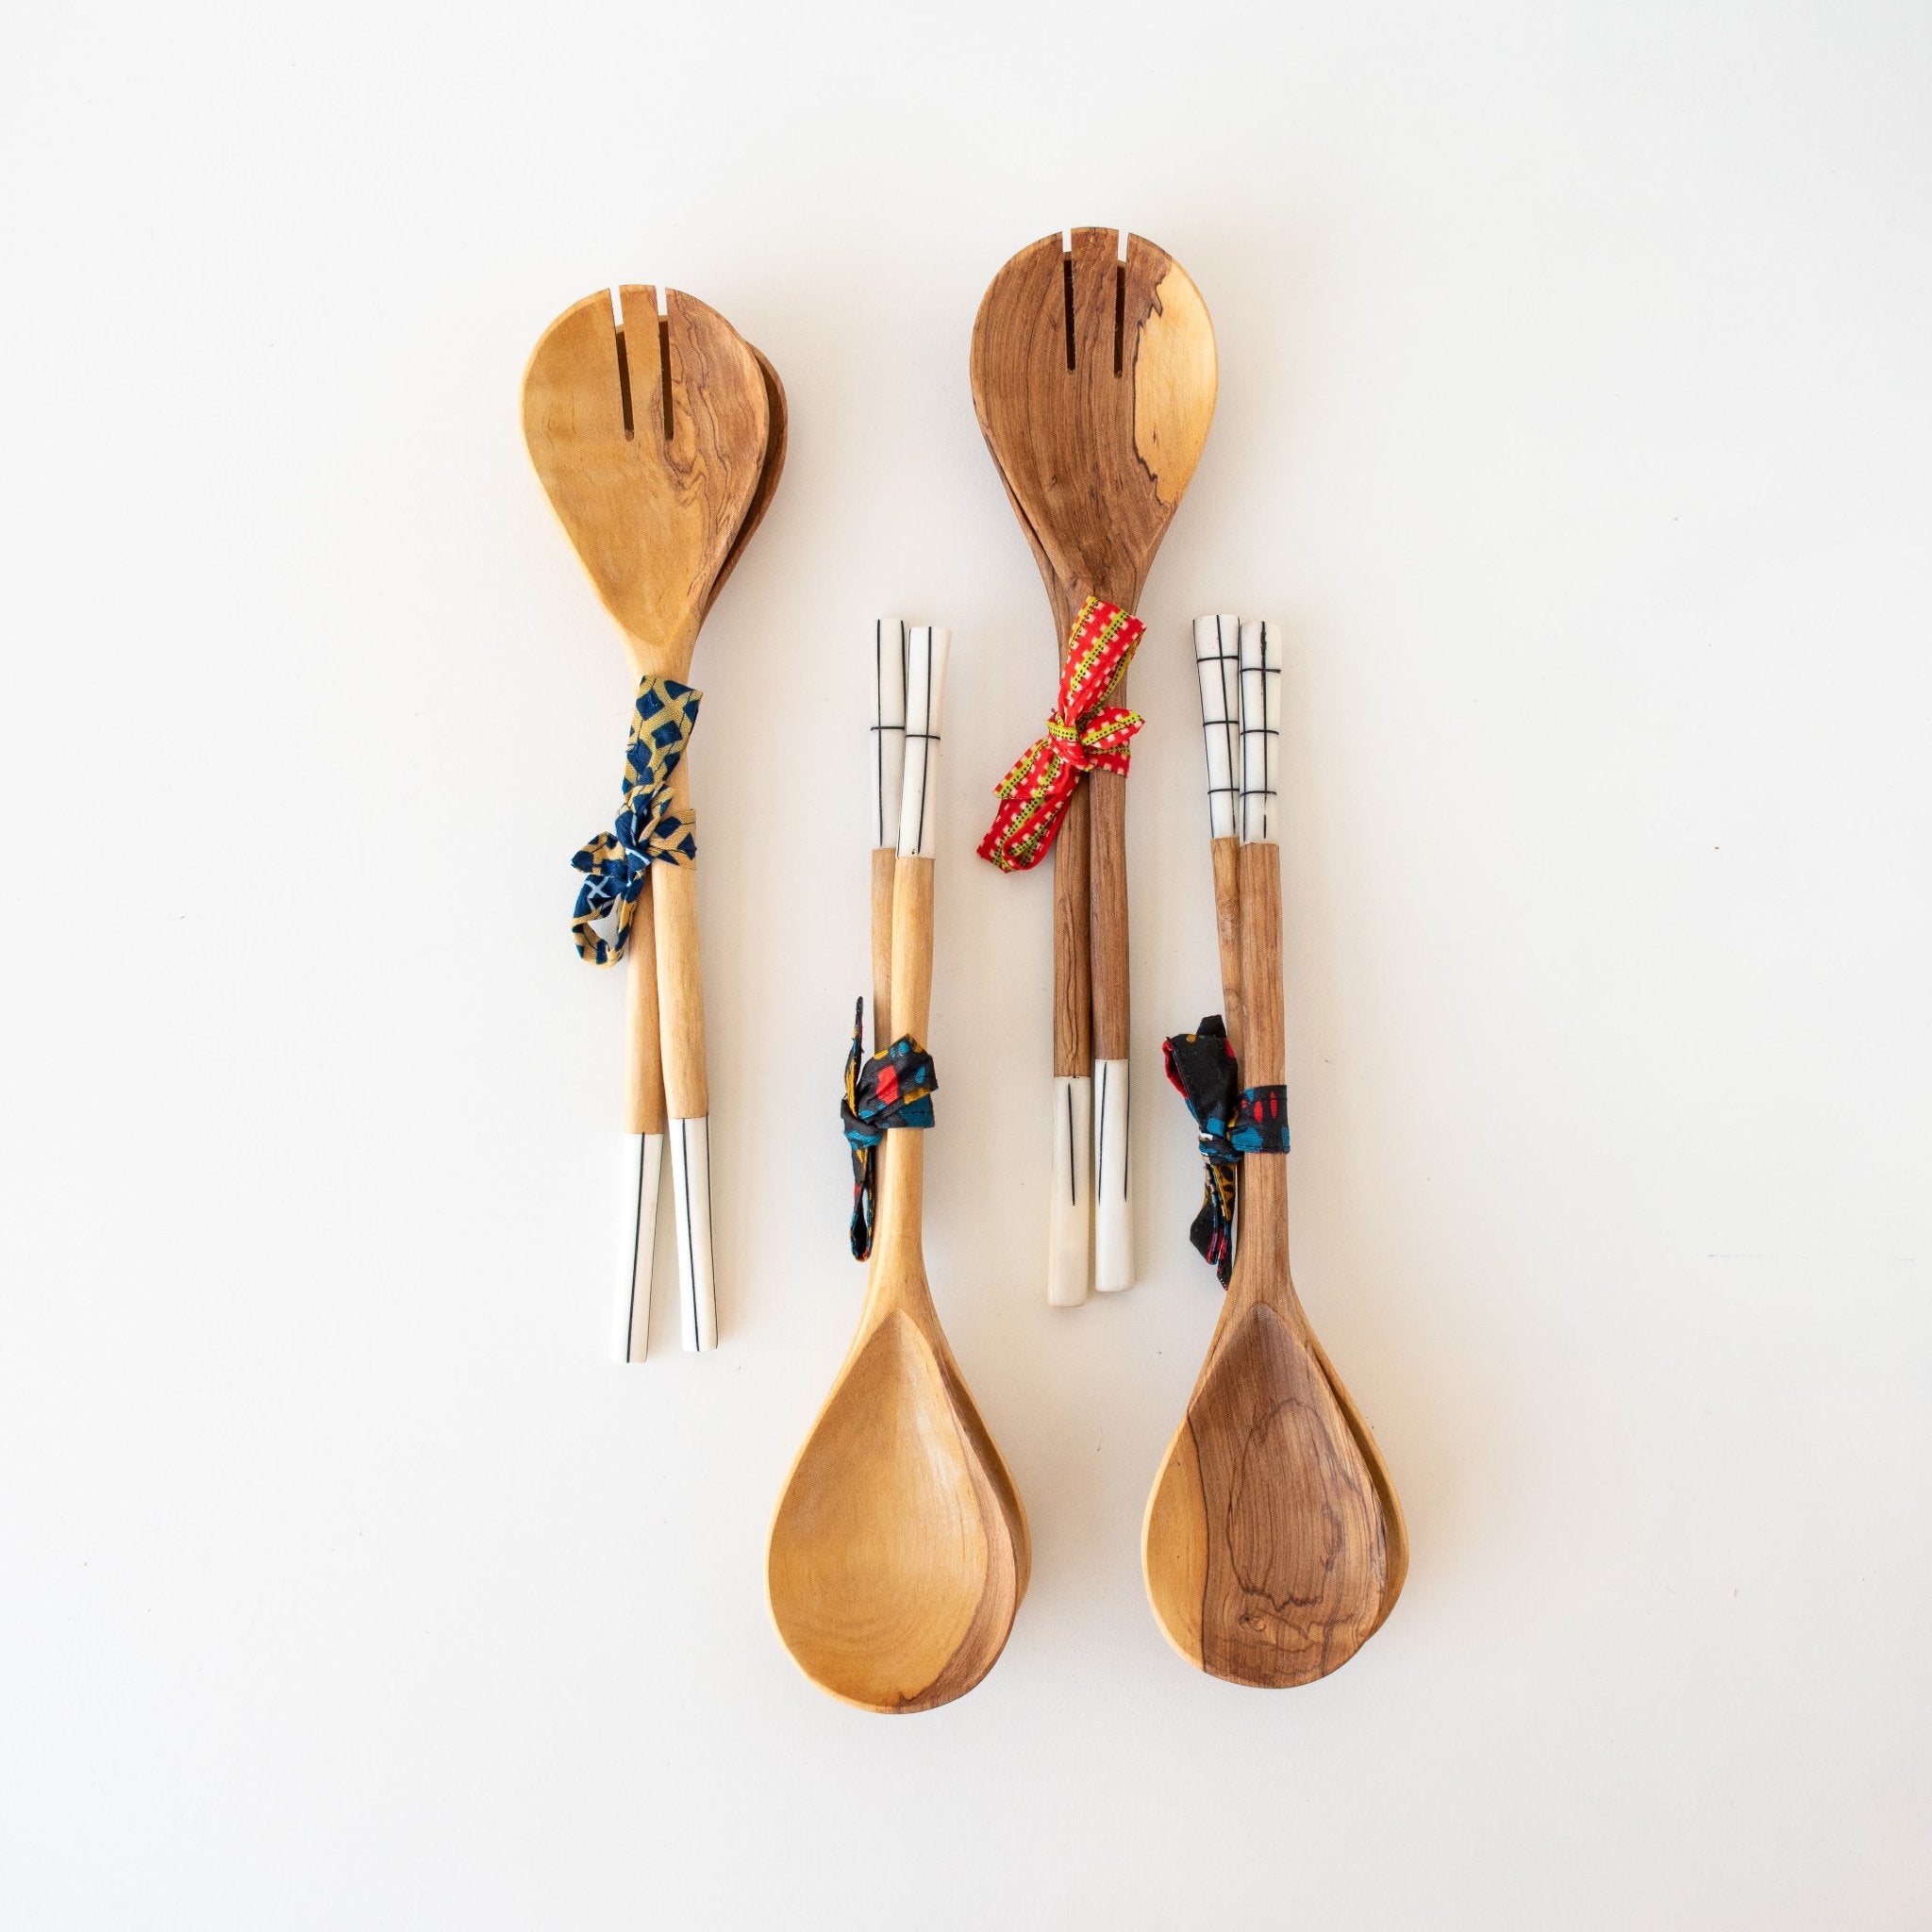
(894, 1089)
(1084, 733)
(647, 830)
(1232, 1121)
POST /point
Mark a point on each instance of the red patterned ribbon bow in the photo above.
(1084, 733)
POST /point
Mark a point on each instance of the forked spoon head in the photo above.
(650, 440)
(1094, 379)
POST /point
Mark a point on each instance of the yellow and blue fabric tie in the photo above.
(617, 863)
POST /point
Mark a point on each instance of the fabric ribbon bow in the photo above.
(894, 1089)
(1083, 734)
(647, 830)
(1232, 1121)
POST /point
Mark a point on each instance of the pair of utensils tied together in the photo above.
(899, 1550)
(1273, 1545)
(658, 434)
(1093, 376)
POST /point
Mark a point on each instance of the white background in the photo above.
(1574, 417)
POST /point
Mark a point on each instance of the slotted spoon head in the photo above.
(650, 439)
(1095, 381)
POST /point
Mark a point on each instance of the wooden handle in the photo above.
(1072, 976)
(884, 859)
(680, 992)
(911, 966)
(643, 1097)
(1108, 888)
(1228, 932)
(1262, 1054)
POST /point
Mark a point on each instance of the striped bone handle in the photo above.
(1260, 732)
(1217, 663)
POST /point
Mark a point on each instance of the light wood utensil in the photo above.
(646, 1109)
(1094, 377)
(650, 433)
(898, 1553)
(1273, 1545)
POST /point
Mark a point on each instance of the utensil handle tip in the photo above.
(690, 1205)
(1069, 1210)
(1113, 1230)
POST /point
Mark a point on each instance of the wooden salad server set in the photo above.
(899, 1550)
(1093, 376)
(1273, 1545)
(659, 438)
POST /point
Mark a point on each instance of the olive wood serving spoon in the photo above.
(1272, 1545)
(1217, 660)
(888, 758)
(651, 463)
(896, 1562)
(1093, 378)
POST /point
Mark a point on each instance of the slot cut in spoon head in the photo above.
(650, 440)
(898, 1553)
(1271, 1547)
(1094, 380)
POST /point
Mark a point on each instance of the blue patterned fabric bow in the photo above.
(894, 1089)
(618, 862)
(1232, 1121)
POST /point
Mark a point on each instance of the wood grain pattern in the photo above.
(1272, 1548)
(1094, 380)
(652, 517)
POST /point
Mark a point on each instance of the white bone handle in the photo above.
(691, 1205)
(926, 649)
(1113, 1220)
(645, 1154)
(1070, 1208)
(1260, 732)
(1217, 661)
(887, 729)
